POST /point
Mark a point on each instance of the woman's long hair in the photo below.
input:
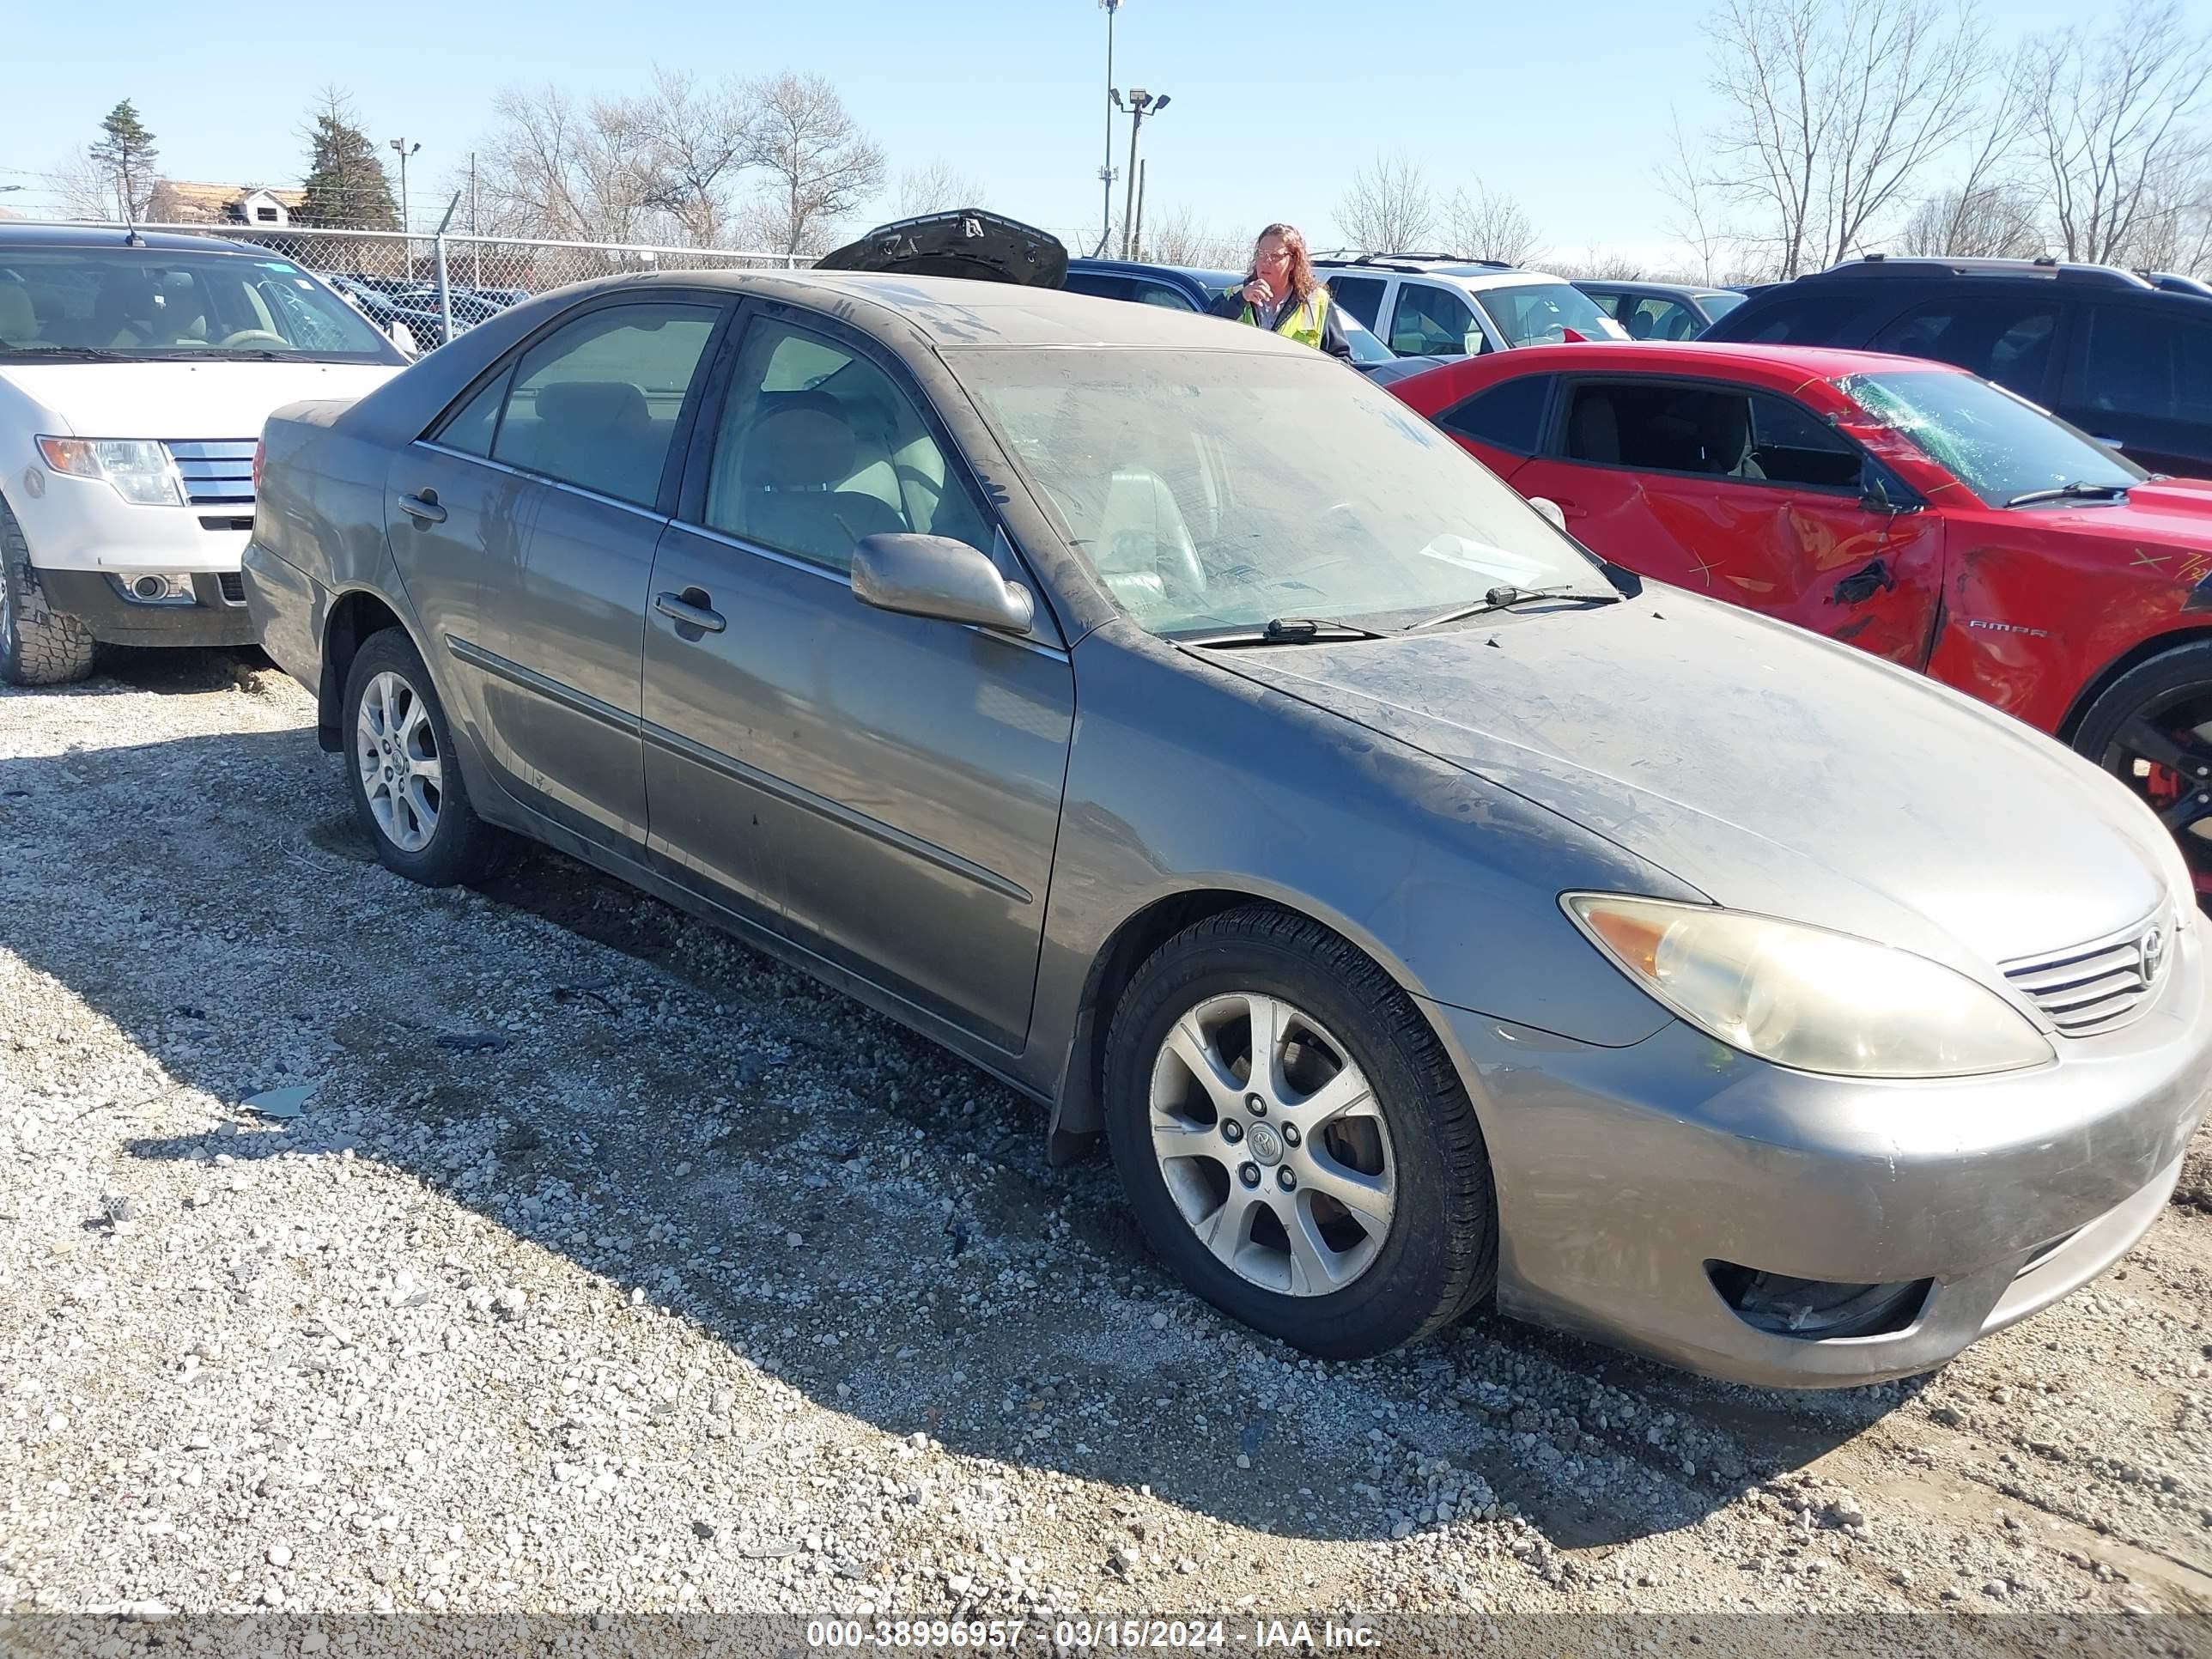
(1302, 280)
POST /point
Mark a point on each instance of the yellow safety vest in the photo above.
(1302, 323)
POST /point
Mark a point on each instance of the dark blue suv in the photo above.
(2127, 360)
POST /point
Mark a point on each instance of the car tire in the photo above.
(39, 645)
(405, 779)
(1385, 1121)
(2171, 694)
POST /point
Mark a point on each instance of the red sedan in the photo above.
(1908, 507)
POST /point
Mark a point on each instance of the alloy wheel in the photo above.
(396, 751)
(1272, 1144)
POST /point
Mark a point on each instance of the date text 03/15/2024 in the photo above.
(1073, 1635)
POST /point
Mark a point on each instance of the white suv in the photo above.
(136, 371)
(1433, 306)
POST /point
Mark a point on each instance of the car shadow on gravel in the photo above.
(825, 1193)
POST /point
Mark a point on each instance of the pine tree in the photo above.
(127, 155)
(346, 183)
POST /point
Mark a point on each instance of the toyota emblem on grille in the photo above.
(2154, 955)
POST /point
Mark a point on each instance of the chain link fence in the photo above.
(421, 289)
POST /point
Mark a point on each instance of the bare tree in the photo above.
(1488, 226)
(1698, 220)
(700, 140)
(821, 164)
(1995, 220)
(555, 168)
(1178, 238)
(82, 188)
(1833, 109)
(1603, 264)
(1389, 210)
(2110, 119)
(938, 188)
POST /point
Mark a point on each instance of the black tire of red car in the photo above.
(1439, 1257)
(39, 645)
(462, 847)
(2170, 693)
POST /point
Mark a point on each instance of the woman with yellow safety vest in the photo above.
(1283, 295)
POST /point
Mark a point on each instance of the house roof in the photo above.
(185, 203)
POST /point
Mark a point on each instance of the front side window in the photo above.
(818, 448)
(1162, 294)
(1996, 443)
(1539, 314)
(147, 305)
(1714, 430)
(1433, 322)
(1659, 319)
(595, 403)
(2007, 339)
(1214, 490)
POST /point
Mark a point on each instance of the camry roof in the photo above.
(952, 313)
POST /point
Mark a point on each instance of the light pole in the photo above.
(1106, 172)
(405, 150)
(1141, 104)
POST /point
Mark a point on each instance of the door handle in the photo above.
(690, 609)
(424, 509)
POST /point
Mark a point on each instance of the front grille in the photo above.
(217, 472)
(234, 588)
(2102, 986)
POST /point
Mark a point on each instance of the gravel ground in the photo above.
(611, 1267)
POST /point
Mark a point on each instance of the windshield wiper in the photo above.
(1292, 630)
(72, 354)
(2076, 491)
(1506, 596)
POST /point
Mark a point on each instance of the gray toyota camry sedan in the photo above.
(1180, 729)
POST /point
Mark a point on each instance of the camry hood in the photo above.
(182, 399)
(1774, 772)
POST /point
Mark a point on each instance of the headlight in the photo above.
(1805, 998)
(139, 469)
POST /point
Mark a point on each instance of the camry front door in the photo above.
(886, 787)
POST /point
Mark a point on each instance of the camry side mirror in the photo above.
(938, 577)
(1551, 509)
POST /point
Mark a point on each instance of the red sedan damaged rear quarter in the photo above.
(2031, 610)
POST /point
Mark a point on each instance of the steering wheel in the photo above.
(249, 336)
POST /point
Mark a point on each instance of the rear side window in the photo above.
(1362, 296)
(2005, 338)
(1508, 416)
(2143, 361)
(595, 404)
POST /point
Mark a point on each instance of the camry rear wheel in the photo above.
(1295, 1144)
(407, 787)
(2152, 729)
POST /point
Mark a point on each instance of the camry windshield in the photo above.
(1539, 313)
(1999, 446)
(1214, 490)
(135, 304)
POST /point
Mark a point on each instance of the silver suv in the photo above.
(1431, 305)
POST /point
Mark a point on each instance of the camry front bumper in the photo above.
(1639, 1189)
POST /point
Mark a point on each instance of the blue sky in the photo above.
(1275, 106)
